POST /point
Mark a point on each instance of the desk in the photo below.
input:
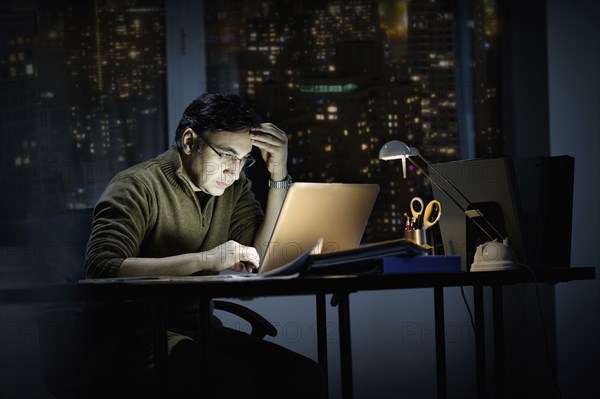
(159, 292)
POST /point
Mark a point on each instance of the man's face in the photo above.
(208, 168)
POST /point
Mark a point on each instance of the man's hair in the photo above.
(214, 112)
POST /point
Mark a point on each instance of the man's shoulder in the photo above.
(146, 170)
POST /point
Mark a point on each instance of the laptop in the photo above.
(318, 218)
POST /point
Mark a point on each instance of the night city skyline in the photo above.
(85, 82)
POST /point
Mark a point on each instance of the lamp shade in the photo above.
(396, 149)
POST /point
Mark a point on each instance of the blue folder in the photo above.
(420, 264)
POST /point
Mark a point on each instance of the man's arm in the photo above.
(272, 142)
(230, 255)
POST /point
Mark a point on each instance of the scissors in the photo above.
(427, 215)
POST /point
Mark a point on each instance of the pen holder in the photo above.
(417, 236)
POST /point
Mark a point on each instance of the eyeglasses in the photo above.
(244, 162)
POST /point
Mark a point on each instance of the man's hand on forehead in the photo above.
(273, 143)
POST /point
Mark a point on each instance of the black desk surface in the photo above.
(276, 286)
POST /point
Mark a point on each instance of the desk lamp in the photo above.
(492, 255)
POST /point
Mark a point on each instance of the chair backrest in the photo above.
(76, 340)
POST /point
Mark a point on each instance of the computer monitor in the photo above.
(516, 197)
(489, 184)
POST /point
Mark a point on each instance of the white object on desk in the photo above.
(492, 256)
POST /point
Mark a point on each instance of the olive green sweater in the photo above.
(149, 210)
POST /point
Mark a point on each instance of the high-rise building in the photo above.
(18, 113)
(431, 55)
(115, 58)
(324, 72)
(83, 97)
(485, 55)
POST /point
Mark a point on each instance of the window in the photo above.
(341, 52)
(334, 68)
(86, 80)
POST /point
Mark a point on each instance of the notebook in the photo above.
(318, 218)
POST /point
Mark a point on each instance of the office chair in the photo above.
(64, 328)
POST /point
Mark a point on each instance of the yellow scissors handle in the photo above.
(432, 214)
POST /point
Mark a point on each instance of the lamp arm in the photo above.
(437, 184)
(470, 213)
(476, 213)
(448, 182)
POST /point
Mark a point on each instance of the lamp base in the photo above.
(493, 256)
(492, 266)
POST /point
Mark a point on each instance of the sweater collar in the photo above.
(172, 166)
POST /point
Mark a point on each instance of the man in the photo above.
(191, 211)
